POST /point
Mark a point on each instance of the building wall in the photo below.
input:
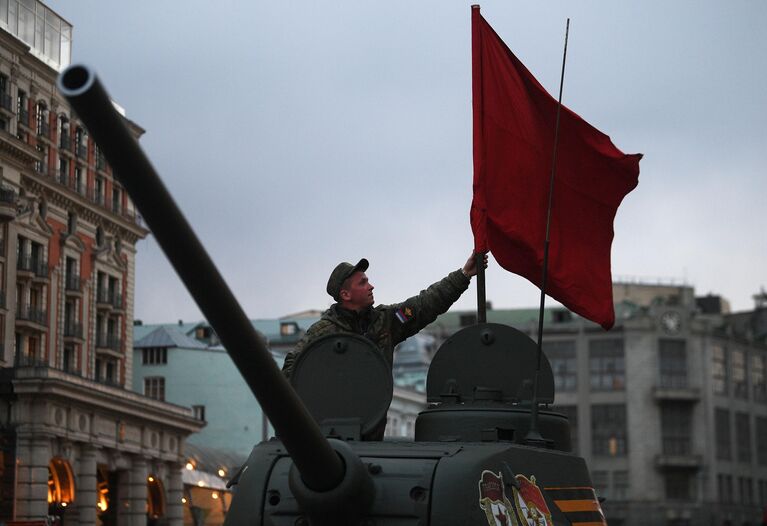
(207, 377)
(67, 247)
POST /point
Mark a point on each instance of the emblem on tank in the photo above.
(493, 501)
(532, 507)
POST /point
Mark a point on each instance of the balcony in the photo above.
(29, 267)
(73, 284)
(8, 202)
(675, 388)
(24, 360)
(108, 341)
(32, 317)
(73, 329)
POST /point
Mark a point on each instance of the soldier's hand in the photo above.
(470, 268)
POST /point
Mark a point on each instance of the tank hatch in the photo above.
(346, 384)
(488, 362)
(480, 388)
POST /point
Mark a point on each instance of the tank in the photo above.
(487, 450)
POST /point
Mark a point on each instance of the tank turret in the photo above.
(470, 463)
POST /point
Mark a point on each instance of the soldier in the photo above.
(384, 325)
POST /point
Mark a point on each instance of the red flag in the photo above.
(514, 124)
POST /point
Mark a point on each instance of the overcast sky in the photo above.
(295, 135)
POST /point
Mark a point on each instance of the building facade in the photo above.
(75, 443)
(185, 364)
(668, 408)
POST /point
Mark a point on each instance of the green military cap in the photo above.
(341, 273)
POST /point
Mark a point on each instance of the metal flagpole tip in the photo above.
(75, 80)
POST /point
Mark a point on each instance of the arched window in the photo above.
(155, 497)
(61, 483)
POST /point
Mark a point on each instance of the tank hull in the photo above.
(434, 483)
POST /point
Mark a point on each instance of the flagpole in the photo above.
(533, 435)
(479, 261)
(476, 88)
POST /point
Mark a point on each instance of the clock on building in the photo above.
(671, 321)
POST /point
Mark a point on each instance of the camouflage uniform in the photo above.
(386, 325)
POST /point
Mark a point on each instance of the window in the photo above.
(722, 432)
(601, 482)
(63, 130)
(679, 485)
(68, 359)
(561, 355)
(116, 201)
(743, 437)
(63, 171)
(154, 387)
(620, 485)
(5, 97)
(762, 490)
(81, 143)
(758, 386)
(78, 182)
(673, 364)
(676, 429)
(288, 328)
(761, 441)
(719, 369)
(41, 119)
(21, 108)
(154, 355)
(71, 223)
(199, 412)
(99, 191)
(739, 385)
(608, 430)
(571, 412)
(747, 491)
(606, 365)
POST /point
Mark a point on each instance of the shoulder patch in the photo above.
(404, 314)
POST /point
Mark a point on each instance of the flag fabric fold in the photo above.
(514, 126)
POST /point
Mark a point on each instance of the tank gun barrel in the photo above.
(320, 467)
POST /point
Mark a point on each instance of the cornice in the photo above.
(17, 152)
(61, 196)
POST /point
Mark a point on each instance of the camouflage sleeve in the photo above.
(318, 329)
(417, 312)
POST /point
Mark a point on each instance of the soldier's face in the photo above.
(357, 292)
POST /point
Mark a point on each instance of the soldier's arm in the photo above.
(417, 312)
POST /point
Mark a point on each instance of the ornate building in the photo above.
(75, 441)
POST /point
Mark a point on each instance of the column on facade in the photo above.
(33, 457)
(135, 512)
(86, 497)
(175, 508)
